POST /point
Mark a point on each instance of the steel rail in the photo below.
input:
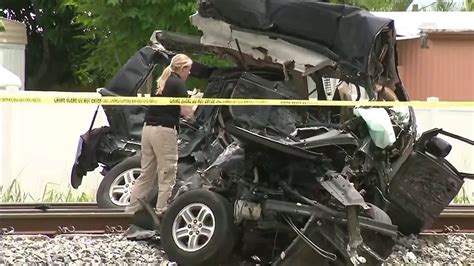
(454, 219)
(78, 205)
(80, 218)
(53, 219)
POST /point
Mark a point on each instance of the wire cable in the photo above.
(320, 251)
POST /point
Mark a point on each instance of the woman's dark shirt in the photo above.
(167, 115)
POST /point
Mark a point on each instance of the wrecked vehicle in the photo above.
(283, 185)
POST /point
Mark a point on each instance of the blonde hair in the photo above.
(177, 63)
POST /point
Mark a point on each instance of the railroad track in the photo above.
(53, 219)
(455, 218)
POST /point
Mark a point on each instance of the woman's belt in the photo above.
(157, 124)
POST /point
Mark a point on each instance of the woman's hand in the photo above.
(196, 94)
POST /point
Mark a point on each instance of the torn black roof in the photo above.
(348, 32)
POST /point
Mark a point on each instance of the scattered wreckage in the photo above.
(283, 185)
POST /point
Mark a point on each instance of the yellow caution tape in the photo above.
(215, 101)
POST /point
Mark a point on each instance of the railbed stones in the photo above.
(436, 249)
(85, 249)
(450, 249)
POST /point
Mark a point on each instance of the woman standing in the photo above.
(159, 138)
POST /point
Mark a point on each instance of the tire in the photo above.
(379, 243)
(378, 214)
(122, 174)
(213, 249)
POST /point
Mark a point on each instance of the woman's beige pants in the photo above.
(159, 156)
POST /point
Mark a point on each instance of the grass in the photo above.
(463, 197)
(14, 193)
(51, 193)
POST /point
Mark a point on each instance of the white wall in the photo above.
(43, 141)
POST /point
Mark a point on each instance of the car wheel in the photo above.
(379, 243)
(114, 190)
(378, 214)
(198, 229)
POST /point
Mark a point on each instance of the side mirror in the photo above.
(438, 147)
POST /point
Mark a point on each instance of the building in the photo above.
(13, 42)
(436, 53)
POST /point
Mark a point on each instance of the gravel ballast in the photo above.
(450, 249)
(441, 249)
(87, 249)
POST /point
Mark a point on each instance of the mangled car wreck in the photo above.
(283, 185)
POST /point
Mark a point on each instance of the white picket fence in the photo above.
(38, 142)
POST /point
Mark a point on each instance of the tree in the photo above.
(445, 5)
(53, 49)
(377, 5)
(87, 41)
(400, 5)
(115, 29)
(469, 5)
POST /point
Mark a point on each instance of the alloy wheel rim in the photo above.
(120, 189)
(193, 227)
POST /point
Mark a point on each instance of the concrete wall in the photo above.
(42, 140)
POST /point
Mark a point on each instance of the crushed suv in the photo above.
(283, 185)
